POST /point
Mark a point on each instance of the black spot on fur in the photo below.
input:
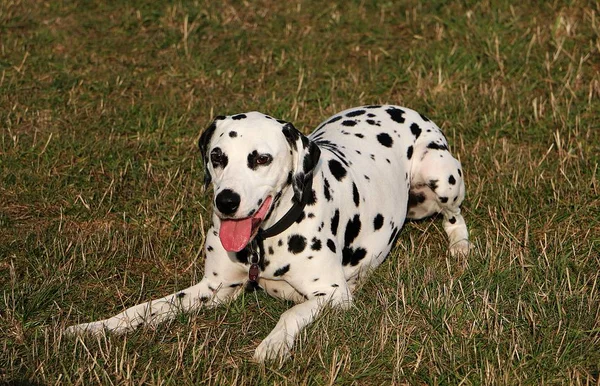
(280, 242)
(415, 199)
(433, 184)
(416, 130)
(409, 152)
(235, 285)
(355, 195)
(271, 251)
(337, 169)
(349, 123)
(359, 135)
(353, 256)
(459, 173)
(435, 146)
(296, 244)
(335, 220)
(444, 199)
(452, 220)
(451, 180)
(326, 191)
(331, 245)
(334, 119)
(316, 244)
(242, 256)
(385, 139)
(355, 113)
(396, 114)
(320, 294)
(233, 134)
(181, 295)
(372, 107)
(335, 285)
(209, 248)
(423, 117)
(378, 222)
(312, 198)
(352, 230)
(238, 117)
(282, 271)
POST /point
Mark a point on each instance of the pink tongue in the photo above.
(235, 234)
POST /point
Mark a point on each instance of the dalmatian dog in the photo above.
(305, 218)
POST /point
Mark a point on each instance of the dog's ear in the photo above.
(305, 155)
(203, 143)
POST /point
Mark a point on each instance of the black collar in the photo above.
(257, 245)
(292, 215)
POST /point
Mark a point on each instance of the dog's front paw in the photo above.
(272, 349)
(460, 248)
(97, 328)
(94, 328)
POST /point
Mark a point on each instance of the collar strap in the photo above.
(292, 215)
(258, 248)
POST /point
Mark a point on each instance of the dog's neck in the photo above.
(280, 207)
(286, 211)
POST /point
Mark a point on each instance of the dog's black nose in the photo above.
(227, 201)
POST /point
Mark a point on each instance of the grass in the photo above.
(101, 104)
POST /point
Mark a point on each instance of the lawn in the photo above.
(101, 206)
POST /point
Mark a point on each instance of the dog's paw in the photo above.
(460, 248)
(94, 328)
(272, 349)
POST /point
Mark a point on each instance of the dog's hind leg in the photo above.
(438, 187)
(223, 280)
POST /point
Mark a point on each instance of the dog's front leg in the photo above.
(223, 279)
(156, 311)
(281, 339)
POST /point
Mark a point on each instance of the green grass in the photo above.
(101, 204)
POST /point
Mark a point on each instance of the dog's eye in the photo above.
(263, 159)
(218, 158)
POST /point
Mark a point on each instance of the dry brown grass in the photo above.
(101, 206)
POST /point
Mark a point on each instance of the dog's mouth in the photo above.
(235, 234)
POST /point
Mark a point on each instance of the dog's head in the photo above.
(251, 159)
